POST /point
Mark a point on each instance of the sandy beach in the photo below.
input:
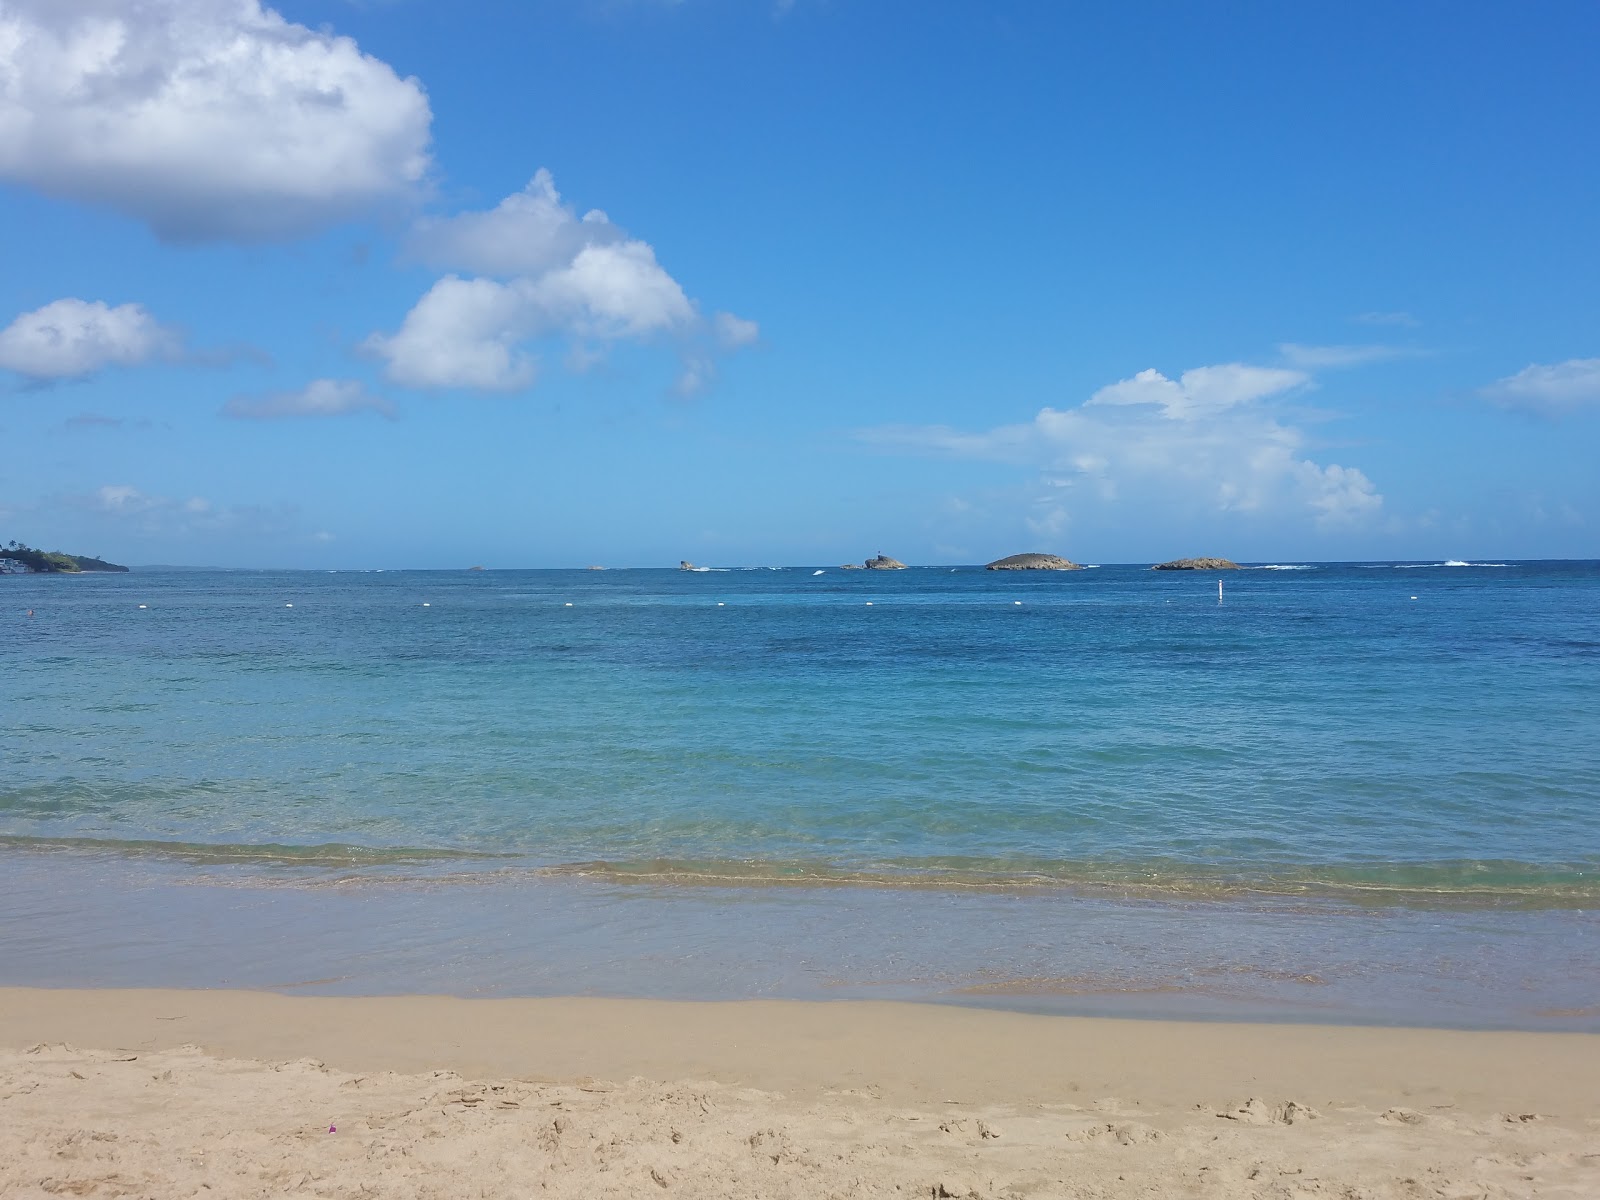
(222, 1093)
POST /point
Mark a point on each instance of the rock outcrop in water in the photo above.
(1197, 564)
(1033, 562)
(884, 563)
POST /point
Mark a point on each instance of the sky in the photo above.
(550, 283)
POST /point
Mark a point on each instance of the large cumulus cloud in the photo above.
(206, 119)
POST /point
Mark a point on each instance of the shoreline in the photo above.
(154, 925)
(165, 1092)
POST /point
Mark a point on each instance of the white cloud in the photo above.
(463, 333)
(542, 271)
(527, 233)
(733, 332)
(126, 508)
(70, 338)
(1203, 442)
(1551, 390)
(319, 398)
(1200, 391)
(613, 291)
(1312, 357)
(204, 118)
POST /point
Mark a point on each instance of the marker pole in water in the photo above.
(1219, 591)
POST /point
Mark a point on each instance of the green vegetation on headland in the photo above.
(15, 557)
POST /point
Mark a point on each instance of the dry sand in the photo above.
(218, 1094)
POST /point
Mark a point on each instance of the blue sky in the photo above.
(408, 283)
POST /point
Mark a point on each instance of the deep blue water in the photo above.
(1326, 754)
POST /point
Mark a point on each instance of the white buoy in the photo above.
(425, 604)
(869, 603)
(147, 606)
(288, 606)
(816, 572)
(569, 603)
(141, 606)
(720, 604)
(1016, 602)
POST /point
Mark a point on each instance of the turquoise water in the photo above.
(1336, 764)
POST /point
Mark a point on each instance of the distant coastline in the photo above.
(17, 559)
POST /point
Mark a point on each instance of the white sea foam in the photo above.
(1283, 567)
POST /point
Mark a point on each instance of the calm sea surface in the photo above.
(1348, 791)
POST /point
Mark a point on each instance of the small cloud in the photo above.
(94, 421)
(319, 398)
(533, 269)
(121, 498)
(1201, 391)
(1215, 438)
(1401, 320)
(528, 233)
(149, 514)
(1550, 390)
(733, 332)
(72, 339)
(1340, 356)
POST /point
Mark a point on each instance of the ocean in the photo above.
(1361, 792)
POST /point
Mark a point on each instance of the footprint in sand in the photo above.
(1403, 1116)
(1259, 1112)
(1124, 1133)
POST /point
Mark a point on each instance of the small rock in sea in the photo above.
(884, 563)
(1197, 564)
(1033, 562)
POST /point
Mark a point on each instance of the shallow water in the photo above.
(1319, 796)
